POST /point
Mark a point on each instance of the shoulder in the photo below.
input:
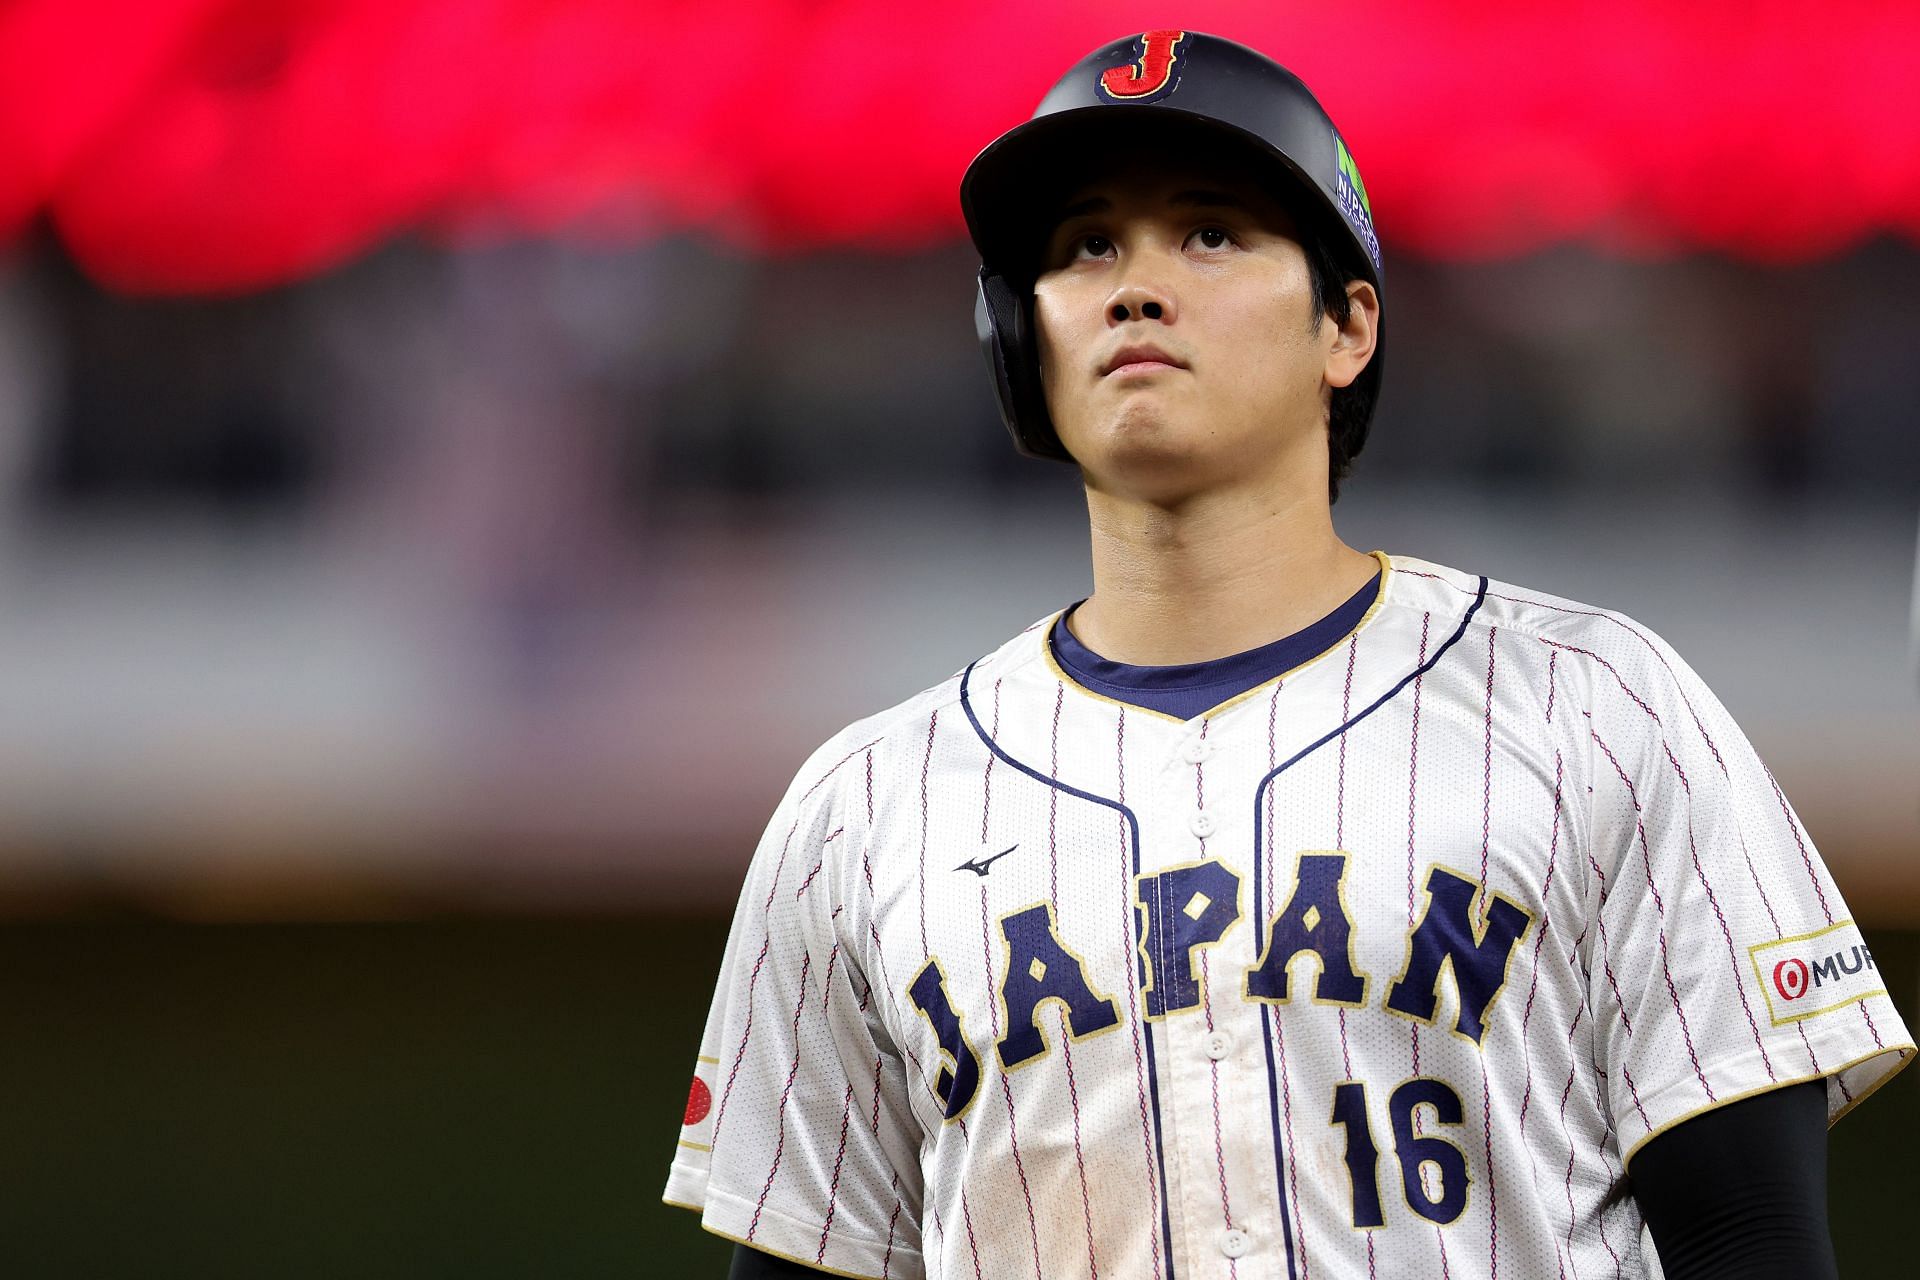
(1616, 667)
(869, 747)
(1594, 633)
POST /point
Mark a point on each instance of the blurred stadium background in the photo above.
(456, 459)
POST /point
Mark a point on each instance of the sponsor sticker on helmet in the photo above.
(1815, 973)
(1352, 193)
(1153, 74)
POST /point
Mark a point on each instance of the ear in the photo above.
(1353, 342)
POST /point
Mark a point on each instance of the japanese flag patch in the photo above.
(696, 1126)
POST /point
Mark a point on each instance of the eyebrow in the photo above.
(1194, 198)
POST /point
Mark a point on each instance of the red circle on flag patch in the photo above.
(699, 1102)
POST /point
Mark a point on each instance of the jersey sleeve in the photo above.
(797, 1139)
(1725, 960)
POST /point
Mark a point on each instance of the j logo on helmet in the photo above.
(1152, 74)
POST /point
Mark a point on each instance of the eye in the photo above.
(1092, 246)
(1211, 237)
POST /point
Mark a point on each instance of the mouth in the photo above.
(1140, 359)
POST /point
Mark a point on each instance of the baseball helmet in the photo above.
(1184, 86)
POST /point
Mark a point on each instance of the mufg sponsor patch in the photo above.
(1815, 973)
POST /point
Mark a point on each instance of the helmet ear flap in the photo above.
(1003, 319)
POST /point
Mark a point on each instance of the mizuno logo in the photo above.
(979, 865)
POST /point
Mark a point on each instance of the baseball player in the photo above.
(1278, 910)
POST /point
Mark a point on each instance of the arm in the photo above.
(751, 1264)
(1739, 1193)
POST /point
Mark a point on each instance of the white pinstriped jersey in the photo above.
(1384, 968)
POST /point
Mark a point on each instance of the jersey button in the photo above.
(1202, 823)
(1235, 1243)
(1218, 1046)
(1196, 751)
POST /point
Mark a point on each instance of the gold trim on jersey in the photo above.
(1905, 1050)
(710, 1229)
(1061, 674)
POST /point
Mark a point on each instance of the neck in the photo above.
(1211, 576)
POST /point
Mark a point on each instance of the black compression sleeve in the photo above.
(1740, 1193)
(751, 1264)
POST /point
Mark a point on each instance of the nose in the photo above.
(1139, 300)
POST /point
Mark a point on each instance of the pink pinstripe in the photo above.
(780, 1142)
(1486, 1097)
(1079, 1158)
(1066, 1040)
(1634, 1089)
(1726, 931)
(1553, 681)
(1486, 776)
(1611, 670)
(833, 1191)
(1133, 999)
(1291, 1174)
(1413, 787)
(1346, 714)
(1219, 1142)
(1339, 842)
(1053, 802)
(1293, 1166)
(826, 985)
(1413, 780)
(766, 945)
(1540, 939)
(1806, 856)
(886, 1261)
(986, 781)
(966, 1218)
(1006, 1086)
(1633, 631)
(1699, 870)
(1199, 785)
(808, 882)
(926, 766)
(1526, 1018)
(1660, 914)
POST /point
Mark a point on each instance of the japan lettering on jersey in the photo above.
(1384, 968)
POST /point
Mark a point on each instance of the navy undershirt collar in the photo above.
(1187, 690)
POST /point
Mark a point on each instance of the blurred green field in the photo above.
(452, 1098)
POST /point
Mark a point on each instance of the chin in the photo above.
(1144, 451)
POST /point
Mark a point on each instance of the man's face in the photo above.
(1177, 343)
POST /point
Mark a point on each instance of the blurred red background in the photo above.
(221, 145)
